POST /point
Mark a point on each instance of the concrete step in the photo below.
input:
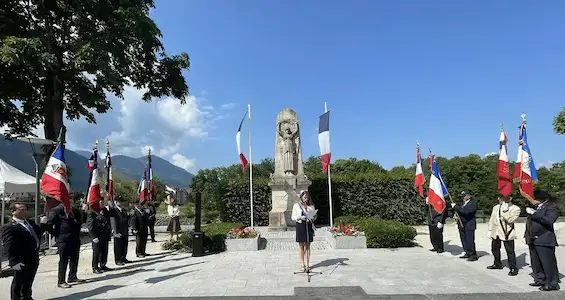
(285, 245)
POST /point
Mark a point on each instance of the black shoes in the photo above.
(64, 285)
(465, 256)
(97, 271)
(547, 288)
(440, 251)
(536, 283)
(433, 250)
(513, 272)
(472, 258)
(495, 267)
(105, 269)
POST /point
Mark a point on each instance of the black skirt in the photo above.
(304, 232)
(174, 225)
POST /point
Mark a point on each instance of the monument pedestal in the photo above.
(285, 192)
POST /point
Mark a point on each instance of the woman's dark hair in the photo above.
(302, 195)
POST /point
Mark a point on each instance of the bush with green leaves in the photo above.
(383, 197)
(382, 233)
(215, 235)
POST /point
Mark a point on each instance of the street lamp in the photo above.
(37, 158)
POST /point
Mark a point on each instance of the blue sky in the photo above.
(445, 73)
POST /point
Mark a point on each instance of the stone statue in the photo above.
(288, 131)
(288, 180)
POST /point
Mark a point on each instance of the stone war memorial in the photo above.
(289, 179)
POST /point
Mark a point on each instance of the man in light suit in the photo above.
(501, 230)
(468, 224)
(541, 239)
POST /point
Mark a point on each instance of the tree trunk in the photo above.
(53, 111)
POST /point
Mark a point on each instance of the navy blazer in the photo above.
(467, 215)
(539, 226)
(19, 244)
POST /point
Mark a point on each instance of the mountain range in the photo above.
(19, 154)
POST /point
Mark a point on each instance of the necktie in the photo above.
(31, 230)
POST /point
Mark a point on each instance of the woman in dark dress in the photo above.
(304, 228)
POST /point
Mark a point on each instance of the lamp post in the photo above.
(37, 158)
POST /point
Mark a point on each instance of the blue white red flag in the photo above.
(242, 158)
(93, 196)
(55, 181)
(503, 168)
(525, 174)
(142, 189)
(437, 190)
(419, 179)
(324, 141)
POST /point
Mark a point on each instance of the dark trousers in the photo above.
(509, 246)
(152, 229)
(468, 241)
(544, 265)
(140, 242)
(68, 256)
(99, 254)
(23, 280)
(121, 248)
(436, 237)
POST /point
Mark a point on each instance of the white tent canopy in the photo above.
(13, 180)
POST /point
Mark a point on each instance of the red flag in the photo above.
(419, 179)
(142, 190)
(503, 169)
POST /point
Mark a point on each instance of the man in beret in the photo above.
(541, 239)
(467, 215)
(501, 231)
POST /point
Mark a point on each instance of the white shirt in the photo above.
(173, 210)
(297, 211)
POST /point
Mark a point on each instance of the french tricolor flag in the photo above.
(142, 189)
(419, 179)
(324, 140)
(503, 169)
(242, 158)
(93, 197)
(55, 180)
(437, 190)
(525, 173)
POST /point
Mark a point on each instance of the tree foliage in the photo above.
(125, 190)
(559, 122)
(60, 56)
(364, 188)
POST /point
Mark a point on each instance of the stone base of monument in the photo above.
(280, 221)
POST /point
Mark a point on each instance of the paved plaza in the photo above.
(408, 273)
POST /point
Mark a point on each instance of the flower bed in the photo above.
(242, 239)
(346, 236)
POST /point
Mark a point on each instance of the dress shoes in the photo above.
(513, 272)
(105, 269)
(472, 258)
(97, 271)
(433, 250)
(63, 285)
(536, 283)
(495, 267)
(439, 251)
(76, 280)
(547, 288)
(465, 256)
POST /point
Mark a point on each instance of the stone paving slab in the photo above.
(407, 273)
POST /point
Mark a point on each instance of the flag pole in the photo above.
(250, 165)
(329, 181)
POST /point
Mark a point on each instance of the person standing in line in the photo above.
(501, 230)
(436, 221)
(304, 229)
(119, 221)
(21, 240)
(173, 210)
(151, 219)
(541, 240)
(66, 229)
(99, 229)
(140, 226)
(467, 225)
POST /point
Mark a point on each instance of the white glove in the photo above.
(18, 266)
(530, 210)
(427, 201)
(303, 218)
(96, 240)
(439, 225)
(134, 231)
(453, 205)
(504, 207)
(489, 235)
(118, 235)
(43, 220)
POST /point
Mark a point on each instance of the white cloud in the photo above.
(182, 161)
(547, 164)
(491, 153)
(228, 105)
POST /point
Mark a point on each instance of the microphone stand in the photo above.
(308, 271)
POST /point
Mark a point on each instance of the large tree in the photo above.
(64, 55)
(559, 122)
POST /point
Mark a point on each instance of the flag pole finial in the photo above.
(417, 144)
(523, 117)
(96, 145)
(149, 152)
(107, 145)
(501, 126)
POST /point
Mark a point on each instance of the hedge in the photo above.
(382, 197)
(382, 233)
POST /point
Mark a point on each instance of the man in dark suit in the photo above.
(541, 239)
(140, 226)
(467, 224)
(436, 221)
(21, 240)
(98, 225)
(151, 218)
(119, 221)
(66, 230)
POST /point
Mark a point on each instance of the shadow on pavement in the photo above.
(177, 267)
(158, 279)
(109, 276)
(90, 293)
(457, 250)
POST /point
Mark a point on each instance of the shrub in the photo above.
(384, 197)
(241, 233)
(172, 245)
(382, 233)
(215, 235)
(185, 238)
